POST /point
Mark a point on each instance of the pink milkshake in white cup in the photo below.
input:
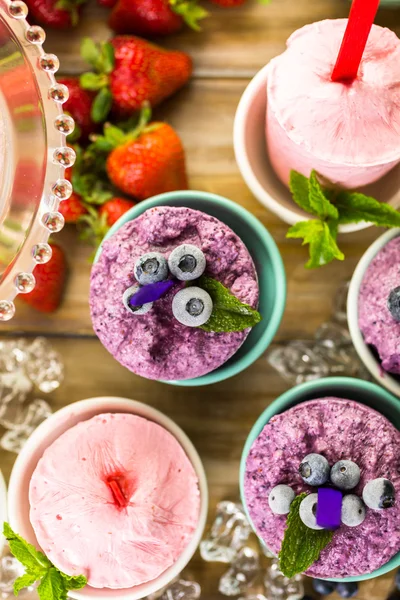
(336, 112)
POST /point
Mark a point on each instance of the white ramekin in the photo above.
(48, 432)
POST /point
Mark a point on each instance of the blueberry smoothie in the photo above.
(344, 457)
(379, 306)
(157, 291)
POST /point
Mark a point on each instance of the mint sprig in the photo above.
(301, 546)
(331, 209)
(54, 584)
(229, 313)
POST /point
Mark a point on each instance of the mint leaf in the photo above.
(355, 207)
(322, 240)
(300, 191)
(229, 313)
(52, 586)
(301, 546)
(101, 105)
(33, 560)
(24, 581)
(318, 200)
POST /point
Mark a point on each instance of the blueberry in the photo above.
(314, 469)
(187, 262)
(192, 306)
(345, 474)
(150, 268)
(353, 510)
(308, 511)
(135, 310)
(379, 494)
(393, 303)
(397, 580)
(280, 498)
(323, 587)
(347, 590)
(307, 597)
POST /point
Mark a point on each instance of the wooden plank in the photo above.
(233, 43)
(203, 115)
(217, 420)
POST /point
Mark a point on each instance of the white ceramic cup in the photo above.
(252, 158)
(364, 352)
(48, 432)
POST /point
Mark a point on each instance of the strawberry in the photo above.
(147, 161)
(79, 106)
(130, 71)
(107, 3)
(59, 14)
(155, 17)
(50, 282)
(114, 209)
(73, 208)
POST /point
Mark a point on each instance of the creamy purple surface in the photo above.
(155, 345)
(376, 323)
(338, 429)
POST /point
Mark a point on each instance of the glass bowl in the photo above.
(33, 152)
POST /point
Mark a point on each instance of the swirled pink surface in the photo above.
(349, 133)
(114, 498)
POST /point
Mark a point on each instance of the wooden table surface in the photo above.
(233, 45)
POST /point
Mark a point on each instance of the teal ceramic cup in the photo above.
(363, 392)
(267, 260)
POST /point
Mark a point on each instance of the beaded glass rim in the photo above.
(36, 250)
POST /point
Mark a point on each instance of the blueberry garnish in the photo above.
(135, 310)
(393, 303)
(353, 510)
(323, 587)
(379, 494)
(192, 306)
(347, 589)
(345, 474)
(187, 262)
(280, 498)
(314, 469)
(150, 268)
(308, 511)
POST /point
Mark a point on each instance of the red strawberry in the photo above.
(79, 106)
(228, 3)
(50, 281)
(107, 3)
(130, 71)
(114, 209)
(72, 209)
(59, 14)
(155, 17)
(145, 162)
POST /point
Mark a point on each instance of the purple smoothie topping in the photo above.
(339, 430)
(151, 292)
(155, 345)
(329, 508)
(379, 328)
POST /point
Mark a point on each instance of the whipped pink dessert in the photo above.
(116, 499)
(348, 132)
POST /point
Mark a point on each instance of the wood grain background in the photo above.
(233, 45)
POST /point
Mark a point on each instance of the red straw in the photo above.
(362, 15)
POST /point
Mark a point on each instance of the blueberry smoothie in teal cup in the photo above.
(174, 293)
(322, 487)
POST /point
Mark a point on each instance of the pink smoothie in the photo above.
(348, 133)
(114, 498)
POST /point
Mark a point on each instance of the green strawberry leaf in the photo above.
(93, 81)
(301, 546)
(54, 584)
(300, 191)
(90, 52)
(114, 135)
(229, 313)
(24, 581)
(107, 57)
(319, 202)
(321, 237)
(190, 12)
(355, 207)
(101, 105)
